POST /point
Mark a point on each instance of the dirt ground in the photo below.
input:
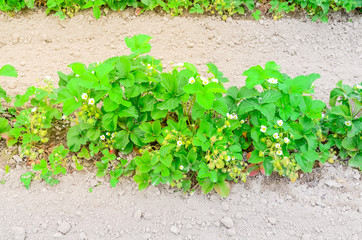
(326, 204)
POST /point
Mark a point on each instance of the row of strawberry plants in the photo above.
(186, 129)
(317, 9)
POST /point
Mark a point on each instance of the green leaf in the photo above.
(78, 68)
(167, 160)
(109, 121)
(123, 67)
(213, 176)
(270, 96)
(76, 136)
(41, 166)
(254, 76)
(205, 99)
(8, 71)
(222, 188)
(356, 161)
(312, 108)
(127, 112)
(170, 104)
(93, 134)
(4, 125)
(96, 12)
(299, 84)
(350, 143)
(207, 186)
(139, 44)
(310, 156)
(26, 179)
(245, 92)
(84, 153)
(122, 139)
(109, 105)
(305, 165)
(116, 94)
(268, 166)
(255, 157)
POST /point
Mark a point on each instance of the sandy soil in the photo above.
(40, 46)
(326, 204)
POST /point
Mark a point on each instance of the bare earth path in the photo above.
(326, 204)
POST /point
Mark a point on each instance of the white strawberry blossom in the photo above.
(277, 145)
(91, 101)
(103, 137)
(276, 135)
(359, 87)
(215, 80)
(191, 80)
(279, 152)
(348, 123)
(33, 109)
(204, 81)
(84, 96)
(286, 140)
(179, 143)
(273, 80)
(181, 167)
(263, 128)
(280, 123)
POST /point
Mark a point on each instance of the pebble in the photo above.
(137, 215)
(19, 233)
(228, 222)
(17, 158)
(174, 229)
(147, 215)
(360, 209)
(64, 227)
(225, 206)
(332, 183)
(231, 232)
(272, 220)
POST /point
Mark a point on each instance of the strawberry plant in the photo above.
(342, 125)
(284, 119)
(32, 123)
(185, 129)
(317, 9)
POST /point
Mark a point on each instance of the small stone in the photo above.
(64, 227)
(17, 158)
(319, 238)
(148, 215)
(228, 222)
(83, 236)
(360, 209)
(306, 237)
(225, 206)
(272, 220)
(174, 229)
(137, 215)
(19, 233)
(333, 184)
(231, 232)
